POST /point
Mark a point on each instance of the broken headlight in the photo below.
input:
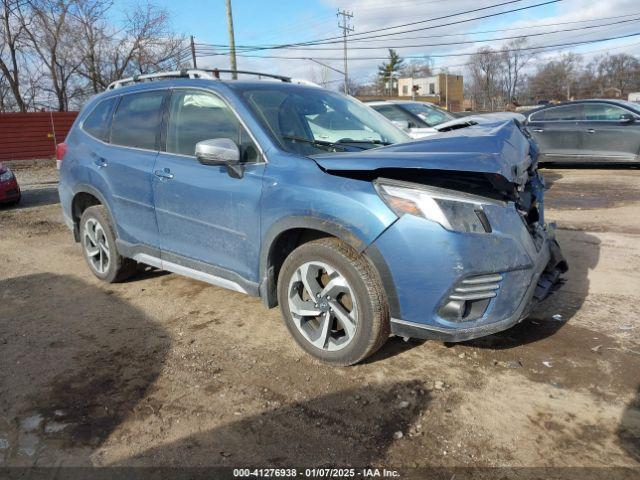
(455, 211)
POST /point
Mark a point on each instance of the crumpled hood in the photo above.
(497, 148)
(481, 118)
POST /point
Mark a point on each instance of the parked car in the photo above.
(418, 119)
(587, 131)
(354, 239)
(9, 188)
(422, 119)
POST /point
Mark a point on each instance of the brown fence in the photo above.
(25, 136)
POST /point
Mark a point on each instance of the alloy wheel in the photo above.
(323, 306)
(96, 246)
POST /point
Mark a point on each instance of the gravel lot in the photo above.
(163, 370)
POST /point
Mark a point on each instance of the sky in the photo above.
(288, 21)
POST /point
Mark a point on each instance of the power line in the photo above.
(466, 42)
(330, 40)
(584, 42)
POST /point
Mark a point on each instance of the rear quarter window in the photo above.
(137, 120)
(98, 122)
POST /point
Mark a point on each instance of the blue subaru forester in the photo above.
(314, 202)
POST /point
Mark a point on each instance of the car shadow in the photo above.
(629, 428)
(146, 272)
(550, 177)
(350, 427)
(35, 197)
(394, 346)
(582, 251)
(76, 361)
(588, 166)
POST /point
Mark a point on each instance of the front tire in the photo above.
(98, 242)
(332, 302)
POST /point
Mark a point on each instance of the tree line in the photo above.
(511, 76)
(57, 53)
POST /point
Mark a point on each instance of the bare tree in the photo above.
(320, 75)
(484, 70)
(418, 68)
(514, 60)
(11, 37)
(352, 87)
(93, 40)
(557, 79)
(618, 71)
(48, 25)
(144, 44)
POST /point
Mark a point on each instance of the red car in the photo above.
(9, 189)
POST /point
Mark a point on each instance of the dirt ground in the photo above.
(163, 370)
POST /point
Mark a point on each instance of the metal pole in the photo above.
(193, 53)
(446, 89)
(232, 42)
(346, 28)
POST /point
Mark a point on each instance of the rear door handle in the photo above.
(164, 173)
(100, 162)
(538, 130)
(591, 130)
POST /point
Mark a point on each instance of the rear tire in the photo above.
(332, 302)
(98, 242)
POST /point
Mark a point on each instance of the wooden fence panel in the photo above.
(25, 136)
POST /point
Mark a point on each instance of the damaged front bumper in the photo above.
(547, 271)
(505, 274)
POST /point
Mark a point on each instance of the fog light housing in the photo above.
(470, 298)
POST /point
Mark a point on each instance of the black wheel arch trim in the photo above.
(268, 286)
(84, 188)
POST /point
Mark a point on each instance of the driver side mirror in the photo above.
(627, 118)
(402, 124)
(223, 152)
(218, 151)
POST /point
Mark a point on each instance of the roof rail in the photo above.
(159, 76)
(190, 73)
(216, 72)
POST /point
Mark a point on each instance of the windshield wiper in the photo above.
(330, 146)
(374, 142)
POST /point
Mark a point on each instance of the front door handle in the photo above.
(164, 173)
(538, 130)
(591, 130)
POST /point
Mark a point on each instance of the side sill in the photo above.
(189, 272)
(189, 268)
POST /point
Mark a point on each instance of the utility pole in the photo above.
(193, 52)
(446, 89)
(232, 42)
(346, 28)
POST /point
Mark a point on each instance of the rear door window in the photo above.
(137, 120)
(98, 123)
(565, 113)
(602, 112)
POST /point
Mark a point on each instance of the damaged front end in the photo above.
(470, 253)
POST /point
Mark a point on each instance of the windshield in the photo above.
(430, 114)
(313, 120)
